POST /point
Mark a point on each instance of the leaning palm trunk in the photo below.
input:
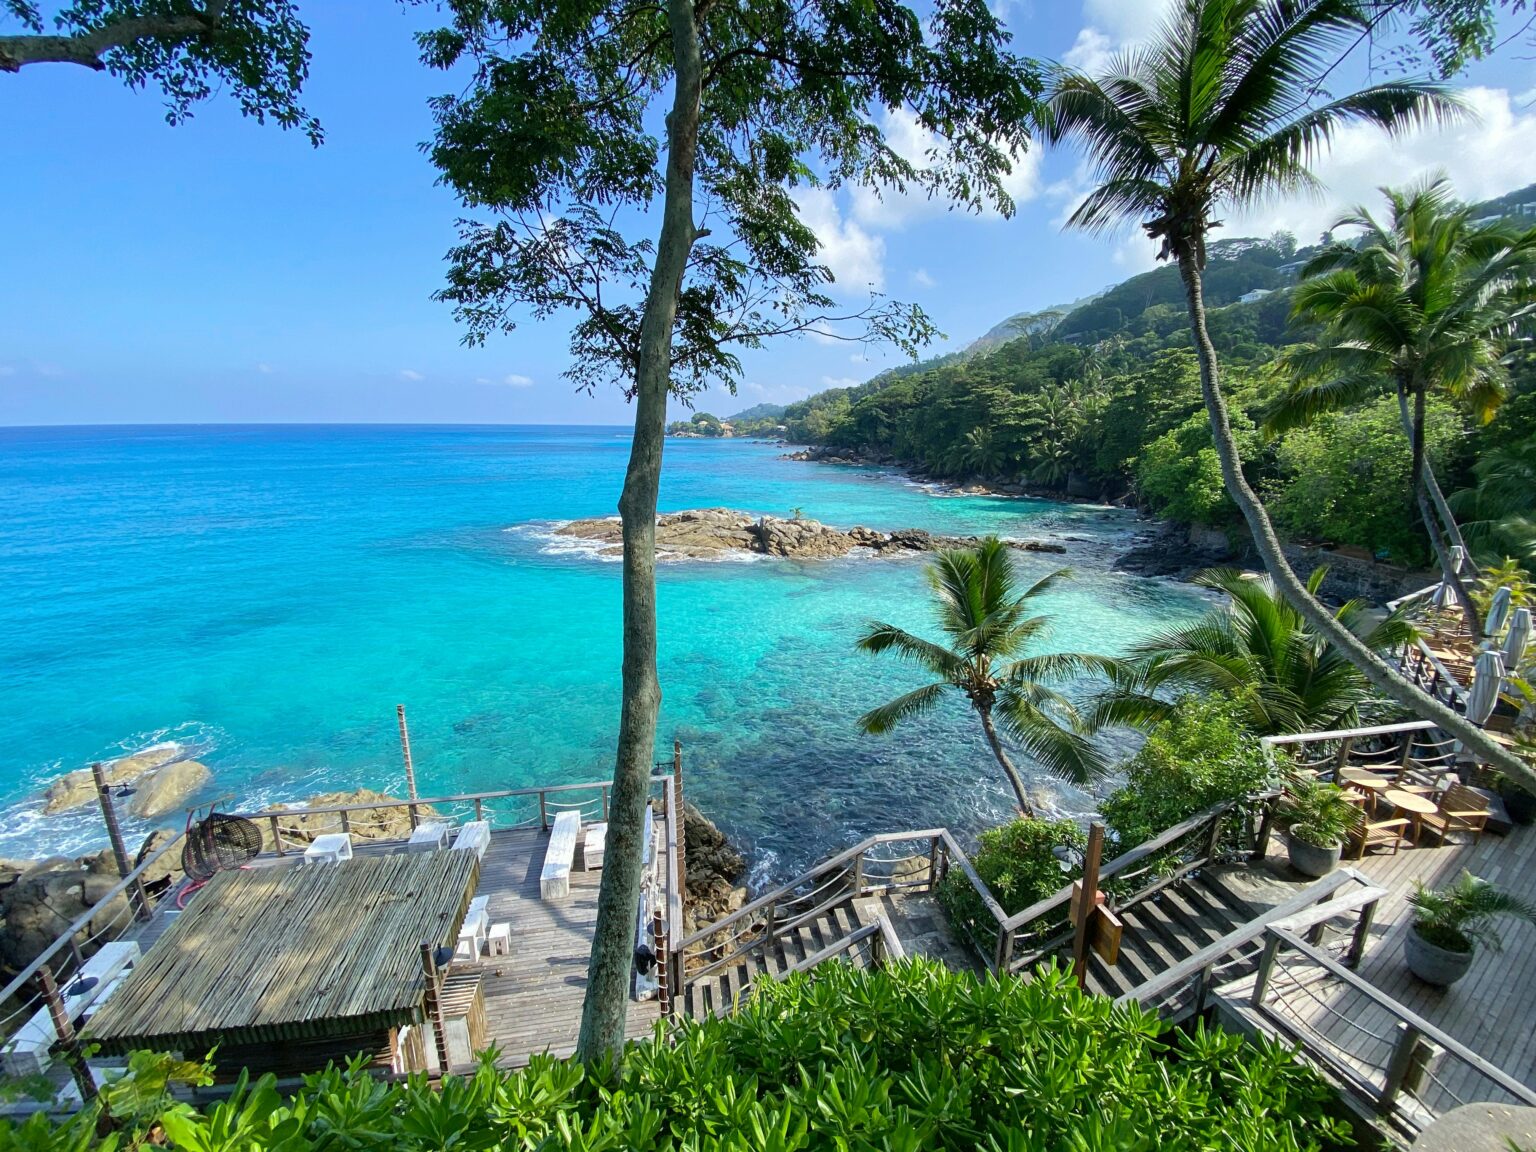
(1427, 492)
(1381, 674)
(1020, 792)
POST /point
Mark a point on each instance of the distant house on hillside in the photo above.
(1256, 294)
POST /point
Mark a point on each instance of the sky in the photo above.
(221, 271)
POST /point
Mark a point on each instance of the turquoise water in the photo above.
(268, 595)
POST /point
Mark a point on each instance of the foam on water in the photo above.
(264, 597)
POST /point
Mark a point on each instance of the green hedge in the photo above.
(913, 1057)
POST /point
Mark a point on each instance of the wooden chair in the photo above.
(1460, 810)
(1381, 834)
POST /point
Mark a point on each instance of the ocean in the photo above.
(265, 596)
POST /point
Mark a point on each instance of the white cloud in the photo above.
(855, 256)
(1483, 160)
(265, 369)
(922, 279)
(7, 370)
(1110, 27)
(513, 380)
(409, 374)
(840, 381)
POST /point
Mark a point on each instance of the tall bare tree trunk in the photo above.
(1426, 490)
(996, 744)
(606, 1005)
(1376, 670)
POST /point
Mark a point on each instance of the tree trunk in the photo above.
(1019, 791)
(608, 973)
(1377, 671)
(1426, 489)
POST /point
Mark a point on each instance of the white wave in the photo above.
(552, 543)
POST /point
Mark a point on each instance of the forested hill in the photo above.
(1102, 399)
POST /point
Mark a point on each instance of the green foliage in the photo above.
(255, 50)
(1345, 478)
(1018, 866)
(1202, 754)
(1462, 916)
(1179, 474)
(1500, 517)
(909, 1058)
(1319, 814)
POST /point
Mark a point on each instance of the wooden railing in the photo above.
(1412, 746)
(1387, 1056)
(1182, 990)
(872, 945)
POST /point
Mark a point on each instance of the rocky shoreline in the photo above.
(1077, 490)
(707, 533)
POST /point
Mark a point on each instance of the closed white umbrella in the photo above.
(1458, 558)
(1516, 639)
(1498, 612)
(1442, 595)
(1487, 679)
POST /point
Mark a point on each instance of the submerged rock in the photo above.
(706, 533)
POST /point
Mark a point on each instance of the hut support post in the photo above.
(65, 1028)
(1087, 901)
(663, 966)
(136, 894)
(434, 1008)
(682, 820)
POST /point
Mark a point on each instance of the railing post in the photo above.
(770, 927)
(1341, 757)
(682, 814)
(543, 810)
(1266, 968)
(136, 894)
(933, 862)
(603, 794)
(1087, 902)
(943, 860)
(1361, 937)
(1405, 1067)
(858, 875)
(434, 1007)
(64, 1027)
(1202, 986)
(415, 816)
(1213, 841)
(1266, 829)
(479, 808)
(346, 822)
(1003, 956)
(277, 836)
(659, 937)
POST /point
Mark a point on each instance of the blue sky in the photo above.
(220, 271)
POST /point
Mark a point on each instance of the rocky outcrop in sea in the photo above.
(707, 533)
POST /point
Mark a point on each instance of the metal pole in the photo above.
(1087, 901)
(405, 749)
(682, 820)
(433, 1007)
(136, 894)
(65, 1029)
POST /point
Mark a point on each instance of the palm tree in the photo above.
(1503, 522)
(1258, 650)
(990, 624)
(1223, 108)
(1427, 302)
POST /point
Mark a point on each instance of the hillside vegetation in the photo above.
(1103, 401)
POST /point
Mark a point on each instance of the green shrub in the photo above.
(1203, 754)
(1017, 865)
(908, 1058)
(1179, 475)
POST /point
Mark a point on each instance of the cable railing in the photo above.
(868, 946)
(1416, 751)
(1386, 1055)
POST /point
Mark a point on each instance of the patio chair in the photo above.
(1380, 834)
(1459, 810)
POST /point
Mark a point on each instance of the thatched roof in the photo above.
(292, 951)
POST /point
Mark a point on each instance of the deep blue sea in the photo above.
(267, 595)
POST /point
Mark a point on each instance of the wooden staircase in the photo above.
(799, 947)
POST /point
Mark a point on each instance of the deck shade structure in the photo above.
(1487, 679)
(293, 954)
(1517, 639)
(1498, 612)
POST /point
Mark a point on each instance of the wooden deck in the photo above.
(532, 997)
(1492, 1010)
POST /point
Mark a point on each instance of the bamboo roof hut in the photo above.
(291, 965)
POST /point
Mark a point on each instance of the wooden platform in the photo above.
(533, 997)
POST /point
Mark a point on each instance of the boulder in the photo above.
(13, 870)
(78, 788)
(167, 869)
(167, 788)
(41, 906)
(389, 820)
(711, 859)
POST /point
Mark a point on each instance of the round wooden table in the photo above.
(1364, 781)
(1415, 806)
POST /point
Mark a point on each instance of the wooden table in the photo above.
(1417, 807)
(1364, 781)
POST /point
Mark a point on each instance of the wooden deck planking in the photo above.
(1492, 1010)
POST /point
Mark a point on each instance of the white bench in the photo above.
(331, 848)
(592, 846)
(555, 880)
(474, 837)
(429, 837)
(477, 923)
(26, 1052)
(499, 942)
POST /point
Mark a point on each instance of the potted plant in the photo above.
(1449, 924)
(1519, 801)
(1318, 818)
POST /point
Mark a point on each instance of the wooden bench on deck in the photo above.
(555, 880)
